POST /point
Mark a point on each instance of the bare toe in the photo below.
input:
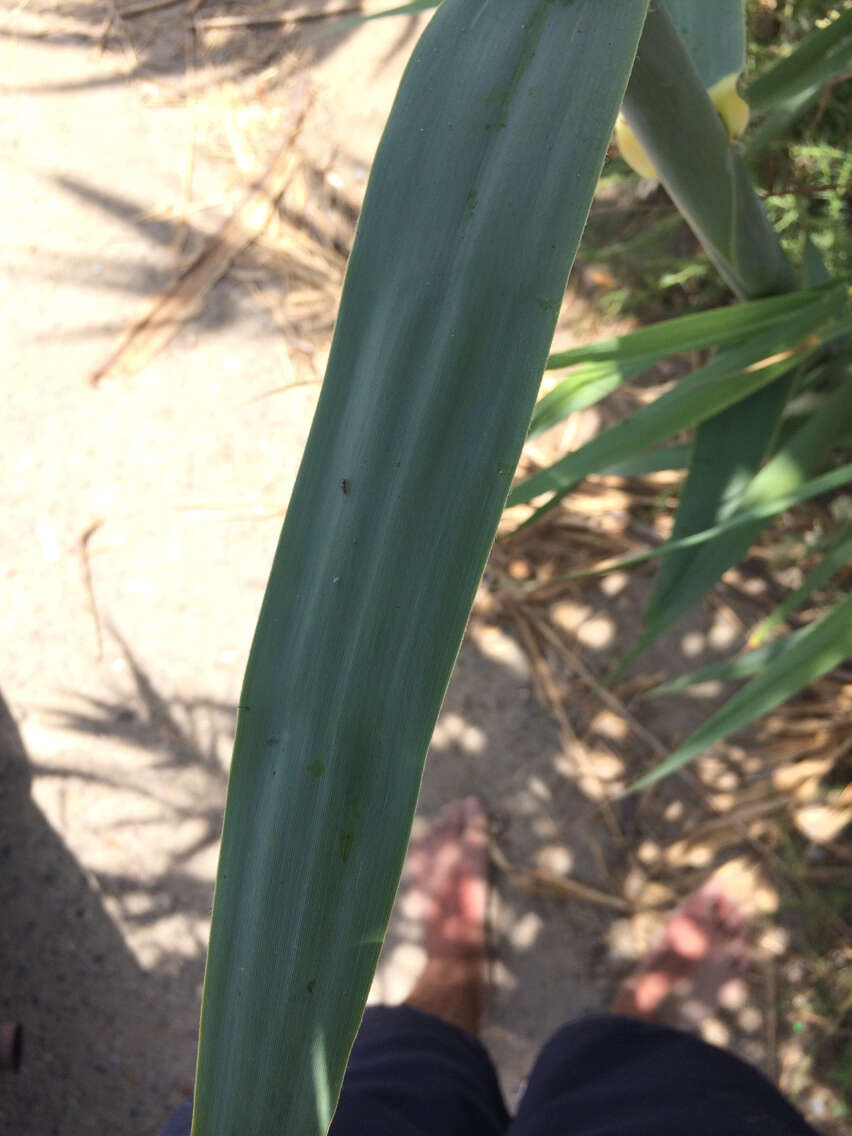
(702, 949)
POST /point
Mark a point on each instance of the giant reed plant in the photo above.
(477, 199)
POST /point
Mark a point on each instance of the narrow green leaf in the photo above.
(838, 556)
(710, 185)
(775, 85)
(743, 521)
(730, 670)
(838, 330)
(683, 407)
(700, 395)
(468, 230)
(666, 457)
(814, 270)
(820, 375)
(728, 451)
(565, 475)
(693, 331)
(585, 386)
(654, 461)
(786, 471)
(820, 647)
(604, 366)
(800, 93)
(678, 409)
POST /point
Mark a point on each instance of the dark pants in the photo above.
(411, 1074)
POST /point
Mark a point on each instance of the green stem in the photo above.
(673, 118)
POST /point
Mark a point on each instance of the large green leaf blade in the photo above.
(821, 647)
(459, 265)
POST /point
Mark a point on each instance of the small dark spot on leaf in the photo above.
(346, 840)
(311, 985)
(344, 485)
(546, 305)
(272, 741)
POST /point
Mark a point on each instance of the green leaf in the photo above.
(719, 383)
(729, 670)
(709, 183)
(837, 557)
(666, 457)
(814, 270)
(800, 93)
(776, 84)
(788, 88)
(714, 34)
(744, 520)
(728, 451)
(605, 365)
(818, 649)
(468, 230)
(679, 409)
(693, 331)
(585, 386)
(654, 461)
(786, 471)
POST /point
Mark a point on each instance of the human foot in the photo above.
(449, 869)
(702, 951)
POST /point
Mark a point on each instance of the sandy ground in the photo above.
(125, 648)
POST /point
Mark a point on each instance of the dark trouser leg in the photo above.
(180, 1121)
(609, 1074)
(412, 1074)
(409, 1074)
